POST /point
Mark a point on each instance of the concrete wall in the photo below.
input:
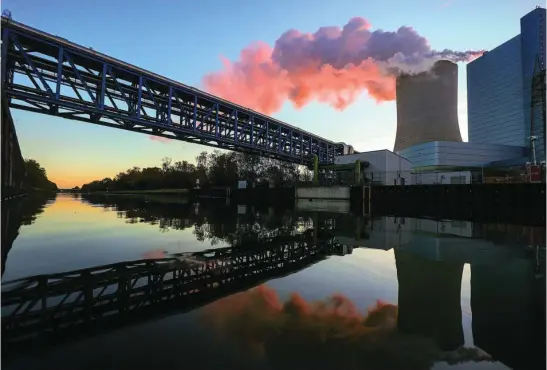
(322, 192)
(427, 106)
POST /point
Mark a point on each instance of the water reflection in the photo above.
(331, 334)
(233, 248)
(19, 212)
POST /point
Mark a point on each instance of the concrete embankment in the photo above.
(494, 202)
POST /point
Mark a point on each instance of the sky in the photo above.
(184, 40)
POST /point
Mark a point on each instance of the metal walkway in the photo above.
(50, 75)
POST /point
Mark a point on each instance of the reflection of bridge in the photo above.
(47, 74)
(103, 297)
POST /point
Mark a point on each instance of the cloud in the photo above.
(333, 66)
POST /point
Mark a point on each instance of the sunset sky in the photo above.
(183, 40)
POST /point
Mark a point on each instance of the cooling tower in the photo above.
(427, 106)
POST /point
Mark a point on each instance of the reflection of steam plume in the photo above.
(332, 66)
(323, 335)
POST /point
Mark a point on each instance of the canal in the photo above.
(159, 282)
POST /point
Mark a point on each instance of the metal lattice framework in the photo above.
(47, 74)
(64, 305)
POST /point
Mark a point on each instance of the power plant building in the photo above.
(428, 131)
(499, 90)
(427, 106)
(505, 109)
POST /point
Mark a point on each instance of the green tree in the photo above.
(219, 168)
(37, 176)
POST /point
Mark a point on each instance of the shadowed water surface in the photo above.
(148, 282)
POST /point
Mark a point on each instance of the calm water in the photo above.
(220, 286)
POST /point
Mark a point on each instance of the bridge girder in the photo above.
(46, 74)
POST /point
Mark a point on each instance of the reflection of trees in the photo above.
(17, 212)
(213, 221)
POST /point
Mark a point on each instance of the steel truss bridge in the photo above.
(50, 75)
(46, 309)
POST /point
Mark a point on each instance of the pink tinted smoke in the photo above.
(334, 66)
(255, 81)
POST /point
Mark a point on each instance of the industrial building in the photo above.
(427, 106)
(428, 132)
(506, 90)
(383, 167)
(506, 109)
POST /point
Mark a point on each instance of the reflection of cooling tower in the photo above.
(429, 299)
(427, 106)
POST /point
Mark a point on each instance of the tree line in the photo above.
(36, 176)
(211, 169)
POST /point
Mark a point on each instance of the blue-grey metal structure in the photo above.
(501, 86)
(47, 74)
(444, 154)
(495, 96)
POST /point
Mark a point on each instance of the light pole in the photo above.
(532, 140)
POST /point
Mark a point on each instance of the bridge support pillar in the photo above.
(13, 165)
(315, 169)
